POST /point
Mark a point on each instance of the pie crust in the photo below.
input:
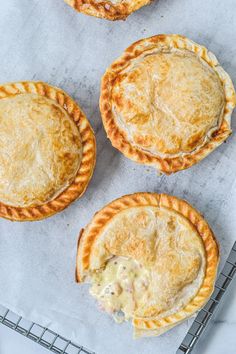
(166, 102)
(165, 235)
(47, 150)
(111, 10)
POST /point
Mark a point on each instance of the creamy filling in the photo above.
(121, 287)
(126, 289)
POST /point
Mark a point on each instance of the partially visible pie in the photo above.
(166, 102)
(150, 258)
(47, 150)
(109, 9)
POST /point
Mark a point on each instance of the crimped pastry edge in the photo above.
(93, 230)
(85, 172)
(170, 164)
(106, 9)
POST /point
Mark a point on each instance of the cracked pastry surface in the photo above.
(166, 102)
(110, 10)
(149, 258)
(41, 150)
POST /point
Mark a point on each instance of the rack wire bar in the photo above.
(39, 334)
(204, 316)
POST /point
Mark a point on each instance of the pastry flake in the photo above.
(110, 10)
(150, 258)
(47, 150)
(166, 102)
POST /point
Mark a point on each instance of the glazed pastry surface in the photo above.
(108, 9)
(168, 102)
(40, 150)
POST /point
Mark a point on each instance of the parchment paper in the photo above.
(46, 40)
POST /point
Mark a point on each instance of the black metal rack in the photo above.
(39, 334)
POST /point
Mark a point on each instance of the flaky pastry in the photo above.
(111, 10)
(151, 258)
(166, 102)
(47, 150)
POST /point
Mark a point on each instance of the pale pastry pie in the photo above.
(166, 102)
(150, 258)
(47, 150)
(111, 10)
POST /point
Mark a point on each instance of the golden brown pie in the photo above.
(151, 258)
(47, 151)
(111, 10)
(166, 102)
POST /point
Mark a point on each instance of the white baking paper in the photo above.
(46, 40)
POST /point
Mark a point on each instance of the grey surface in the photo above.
(10, 342)
(46, 40)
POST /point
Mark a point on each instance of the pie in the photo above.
(47, 151)
(150, 258)
(166, 102)
(111, 10)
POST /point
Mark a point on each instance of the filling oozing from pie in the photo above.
(40, 150)
(168, 102)
(148, 263)
(121, 286)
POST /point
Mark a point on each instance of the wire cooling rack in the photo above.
(41, 335)
(204, 316)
